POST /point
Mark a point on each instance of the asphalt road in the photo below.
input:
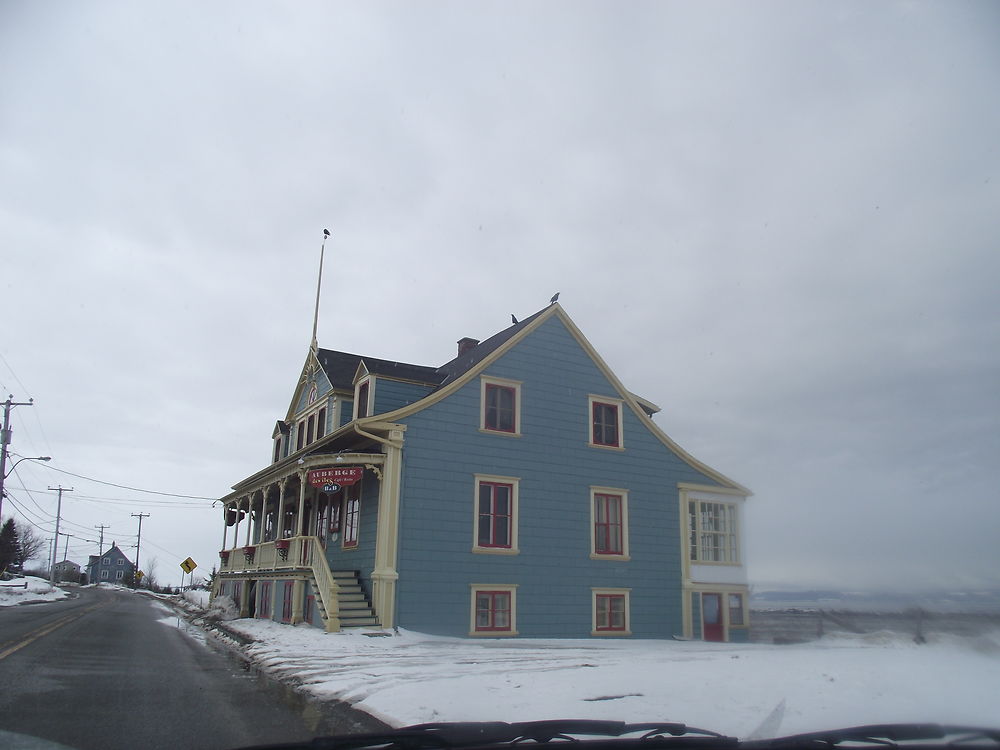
(111, 669)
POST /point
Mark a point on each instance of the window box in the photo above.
(282, 546)
(248, 553)
(224, 556)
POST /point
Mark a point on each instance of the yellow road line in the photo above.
(48, 629)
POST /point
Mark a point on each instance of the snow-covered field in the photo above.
(737, 689)
(38, 590)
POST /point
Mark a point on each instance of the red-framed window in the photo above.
(605, 424)
(307, 609)
(500, 408)
(311, 428)
(321, 423)
(277, 449)
(496, 505)
(352, 515)
(288, 588)
(264, 610)
(610, 613)
(301, 435)
(608, 524)
(493, 611)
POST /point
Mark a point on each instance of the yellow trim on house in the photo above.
(723, 589)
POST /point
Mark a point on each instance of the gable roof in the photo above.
(466, 366)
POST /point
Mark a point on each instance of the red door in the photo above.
(711, 617)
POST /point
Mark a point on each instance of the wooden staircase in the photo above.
(351, 607)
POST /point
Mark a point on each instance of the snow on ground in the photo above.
(38, 590)
(732, 688)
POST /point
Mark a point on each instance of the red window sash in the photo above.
(610, 612)
(496, 523)
(608, 524)
(493, 611)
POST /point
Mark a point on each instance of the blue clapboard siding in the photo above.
(395, 394)
(323, 388)
(556, 467)
(362, 557)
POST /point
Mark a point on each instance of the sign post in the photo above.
(188, 567)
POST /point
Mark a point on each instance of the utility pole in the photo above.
(100, 545)
(138, 541)
(55, 544)
(5, 440)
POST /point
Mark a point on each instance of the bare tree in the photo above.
(29, 545)
(149, 579)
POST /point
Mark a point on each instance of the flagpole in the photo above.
(319, 284)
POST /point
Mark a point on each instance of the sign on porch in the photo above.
(343, 476)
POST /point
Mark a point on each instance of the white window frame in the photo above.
(594, 593)
(730, 552)
(119, 574)
(594, 554)
(492, 479)
(514, 385)
(510, 588)
(619, 405)
(104, 574)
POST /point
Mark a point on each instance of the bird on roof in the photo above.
(513, 319)
(326, 232)
(554, 298)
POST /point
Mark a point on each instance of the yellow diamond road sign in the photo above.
(188, 565)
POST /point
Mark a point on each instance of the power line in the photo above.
(133, 489)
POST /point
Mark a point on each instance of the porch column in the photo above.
(384, 576)
(236, 529)
(263, 517)
(281, 511)
(249, 518)
(303, 526)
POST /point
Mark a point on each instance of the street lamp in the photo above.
(3, 477)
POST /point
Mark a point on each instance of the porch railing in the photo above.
(295, 552)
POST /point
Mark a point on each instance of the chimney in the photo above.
(466, 344)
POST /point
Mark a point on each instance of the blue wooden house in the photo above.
(111, 566)
(518, 490)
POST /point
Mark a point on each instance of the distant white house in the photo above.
(67, 570)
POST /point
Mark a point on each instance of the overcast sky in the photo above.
(778, 221)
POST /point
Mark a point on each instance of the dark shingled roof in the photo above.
(340, 367)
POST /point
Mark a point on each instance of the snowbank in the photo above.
(38, 590)
(411, 678)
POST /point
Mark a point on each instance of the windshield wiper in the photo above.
(485, 734)
(884, 735)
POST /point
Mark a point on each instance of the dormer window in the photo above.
(362, 399)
